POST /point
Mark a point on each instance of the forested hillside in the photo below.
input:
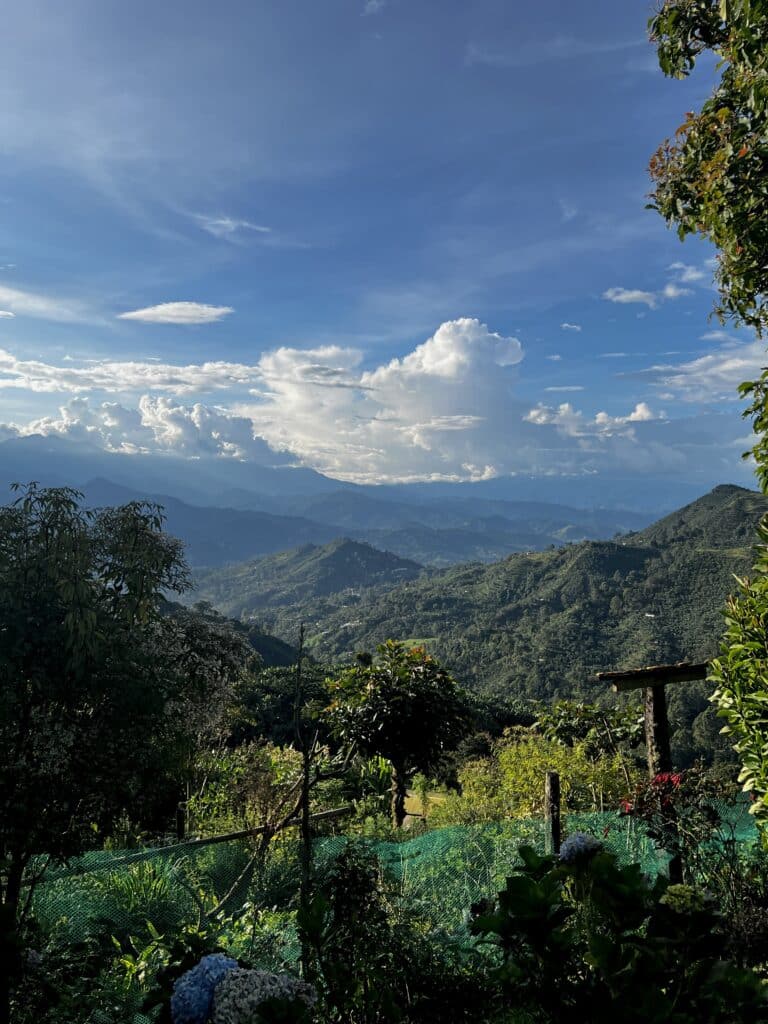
(294, 577)
(541, 624)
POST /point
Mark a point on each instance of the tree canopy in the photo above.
(403, 706)
(101, 695)
(712, 180)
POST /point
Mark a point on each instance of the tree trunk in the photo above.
(9, 950)
(398, 795)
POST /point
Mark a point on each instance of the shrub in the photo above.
(585, 939)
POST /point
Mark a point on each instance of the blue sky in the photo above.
(391, 240)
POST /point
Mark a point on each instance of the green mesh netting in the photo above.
(252, 899)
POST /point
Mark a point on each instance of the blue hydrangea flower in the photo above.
(579, 846)
(192, 996)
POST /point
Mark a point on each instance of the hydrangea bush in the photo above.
(247, 996)
(579, 846)
(192, 998)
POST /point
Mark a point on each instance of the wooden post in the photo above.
(657, 731)
(652, 681)
(552, 813)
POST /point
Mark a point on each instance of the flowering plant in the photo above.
(192, 996)
(578, 847)
(249, 996)
(680, 811)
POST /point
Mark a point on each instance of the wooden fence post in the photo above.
(552, 813)
(657, 731)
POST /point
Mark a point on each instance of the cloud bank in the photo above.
(450, 409)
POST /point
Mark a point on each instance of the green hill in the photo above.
(303, 574)
(542, 623)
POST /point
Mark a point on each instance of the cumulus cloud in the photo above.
(630, 295)
(5, 314)
(674, 291)
(157, 424)
(570, 327)
(449, 409)
(429, 414)
(686, 273)
(373, 7)
(176, 313)
(575, 424)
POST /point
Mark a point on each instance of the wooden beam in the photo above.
(655, 675)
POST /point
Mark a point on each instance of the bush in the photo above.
(585, 939)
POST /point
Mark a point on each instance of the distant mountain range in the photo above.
(230, 483)
(437, 533)
(534, 625)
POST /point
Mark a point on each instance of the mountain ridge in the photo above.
(541, 624)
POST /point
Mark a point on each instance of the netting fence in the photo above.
(440, 873)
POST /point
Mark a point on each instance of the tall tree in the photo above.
(403, 706)
(711, 179)
(99, 692)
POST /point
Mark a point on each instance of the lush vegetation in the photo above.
(710, 180)
(254, 588)
(127, 719)
(540, 625)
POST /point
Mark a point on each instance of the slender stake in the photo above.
(552, 813)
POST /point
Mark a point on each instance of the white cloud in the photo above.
(640, 414)
(554, 358)
(158, 424)
(426, 415)
(229, 228)
(718, 336)
(6, 314)
(711, 378)
(570, 327)
(576, 424)
(34, 375)
(671, 290)
(687, 274)
(630, 295)
(43, 307)
(373, 7)
(568, 211)
(614, 355)
(565, 387)
(447, 410)
(674, 291)
(178, 313)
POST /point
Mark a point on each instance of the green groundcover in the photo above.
(109, 896)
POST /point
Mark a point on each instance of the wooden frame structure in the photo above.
(653, 681)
